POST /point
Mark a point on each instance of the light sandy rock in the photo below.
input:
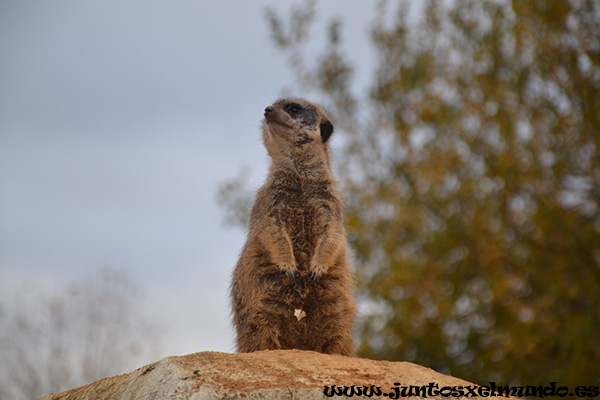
(281, 374)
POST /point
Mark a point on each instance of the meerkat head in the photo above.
(293, 126)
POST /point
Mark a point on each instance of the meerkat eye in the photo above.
(293, 109)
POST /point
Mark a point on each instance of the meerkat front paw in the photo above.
(289, 269)
(317, 270)
(287, 266)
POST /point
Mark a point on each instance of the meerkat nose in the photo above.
(269, 110)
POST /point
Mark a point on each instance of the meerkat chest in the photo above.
(300, 209)
(303, 208)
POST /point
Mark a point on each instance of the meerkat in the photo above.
(292, 286)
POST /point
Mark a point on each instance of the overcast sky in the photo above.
(118, 121)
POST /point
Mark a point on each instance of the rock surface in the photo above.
(281, 374)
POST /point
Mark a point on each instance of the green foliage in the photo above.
(472, 179)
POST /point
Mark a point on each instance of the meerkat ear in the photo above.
(326, 130)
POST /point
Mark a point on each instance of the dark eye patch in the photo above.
(307, 115)
(293, 109)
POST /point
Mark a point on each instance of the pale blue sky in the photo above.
(118, 121)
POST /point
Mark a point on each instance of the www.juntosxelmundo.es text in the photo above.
(433, 389)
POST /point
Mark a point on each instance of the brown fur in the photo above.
(295, 256)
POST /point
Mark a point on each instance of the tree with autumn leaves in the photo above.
(471, 175)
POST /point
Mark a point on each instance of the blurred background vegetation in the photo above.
(471, 172)
(91, 329)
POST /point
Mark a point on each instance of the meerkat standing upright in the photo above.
(292, 286)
